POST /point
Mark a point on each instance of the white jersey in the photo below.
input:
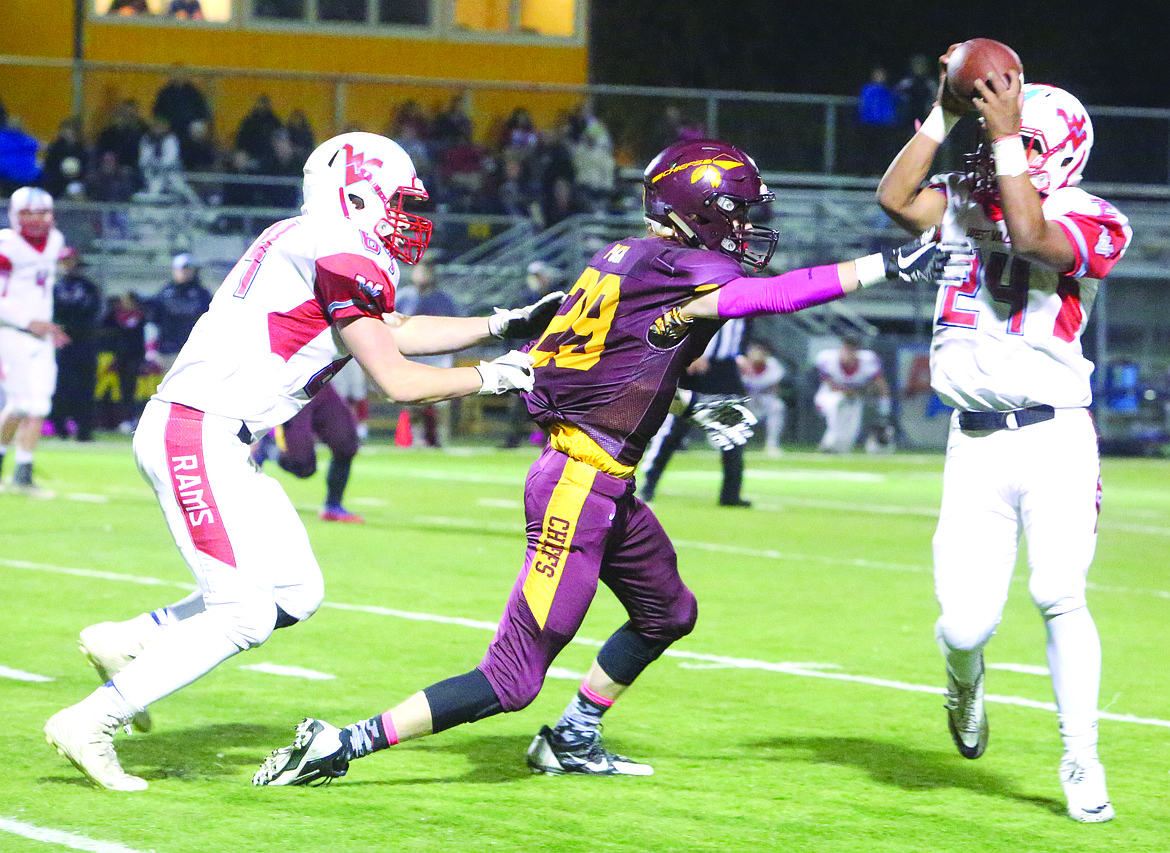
(850, 379)
(27, 275)
(268, 341)
(1009, 336)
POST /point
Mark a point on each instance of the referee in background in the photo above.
(716, 371)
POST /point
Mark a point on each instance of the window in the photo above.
(540, 17)
(205, 10)
(393, 12)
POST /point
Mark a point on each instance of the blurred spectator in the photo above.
(123, 134)
(198, 151)
(110, 181)
(123, 333)
(300, 132)
(409, 116)
(254, 135)
(594, 166)
(180, 102)
(65, 160)
(128, 8)
(418, 150)
(557, 177)
(461, 173)
(520, 132)
(423, 296)
(239, 193)
(453, 125)
(113, 183)
(77, 308)
(916, 92)
(186, 9)
(18, 157)
(282, 161)
(172, 312)
(161, 165)
(877, 121)
(512, 192)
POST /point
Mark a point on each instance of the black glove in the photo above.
(919, 261)
(726, 419)
(528, 322)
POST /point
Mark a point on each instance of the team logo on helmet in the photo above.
(710, 169)
(355, 166)
(1076, 127)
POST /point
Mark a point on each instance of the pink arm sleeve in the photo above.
(780, 294)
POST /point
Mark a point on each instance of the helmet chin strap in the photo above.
(689, 236)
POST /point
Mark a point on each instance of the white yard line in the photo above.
(289, 671)
(798, 669)
(19, 675)
(62, 839)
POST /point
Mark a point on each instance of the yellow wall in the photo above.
(42, 97)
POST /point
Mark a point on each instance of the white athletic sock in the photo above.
(180, 610)
(183, 653)
(21, 456)
(1074, 659)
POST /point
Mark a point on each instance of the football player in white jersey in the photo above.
(29, 249)
(311, 292)
(1006, 354)
(848, 375)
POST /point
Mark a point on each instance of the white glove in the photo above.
(528, 322)
(726, 419)
(960, 259)
(512, 371)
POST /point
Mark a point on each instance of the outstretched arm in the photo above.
(917, 261)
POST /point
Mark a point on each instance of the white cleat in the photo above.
(967, 716)
(87, 740)
(315, 755)
(109, 647)
(1083, 780)
(557, 752)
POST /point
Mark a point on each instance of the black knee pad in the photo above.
(626, 653)
(462, 699)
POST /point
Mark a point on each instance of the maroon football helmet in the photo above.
(702, 188)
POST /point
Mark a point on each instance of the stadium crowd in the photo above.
(177, 152)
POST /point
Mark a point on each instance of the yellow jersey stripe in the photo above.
(556, 537)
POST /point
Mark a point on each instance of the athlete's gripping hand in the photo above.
(921, 260)
(512, 371)
(726, 419)
(528, 322)
(960, 261)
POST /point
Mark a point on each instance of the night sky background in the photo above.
(1110, 52)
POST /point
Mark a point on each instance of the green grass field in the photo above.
(803, 714)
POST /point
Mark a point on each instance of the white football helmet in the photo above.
(364, 178)
(1056, 124)
(31, 200)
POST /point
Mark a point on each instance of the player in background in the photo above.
(1006, 354)
(29, 250)
(607, 368)
(762, 374)
(311, 292)
(293, 446)
(849, 375)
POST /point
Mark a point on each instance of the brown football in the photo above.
(979, 59)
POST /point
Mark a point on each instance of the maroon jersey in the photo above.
(609, 362)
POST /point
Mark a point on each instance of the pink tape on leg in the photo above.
(594, 697)
(780, 294)
(388, 727)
